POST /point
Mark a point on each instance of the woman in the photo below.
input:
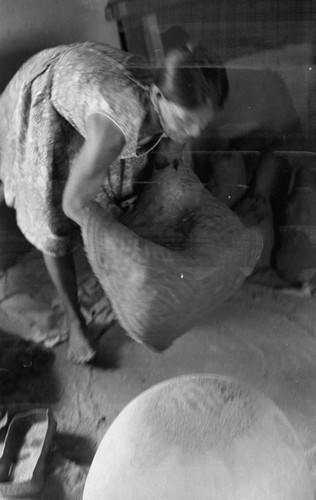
(76, 118)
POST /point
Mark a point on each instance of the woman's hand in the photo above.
(103, 145)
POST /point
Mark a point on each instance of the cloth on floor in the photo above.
(30, 307)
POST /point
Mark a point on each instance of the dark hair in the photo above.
(190, 78)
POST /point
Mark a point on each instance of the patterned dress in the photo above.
(43, 114)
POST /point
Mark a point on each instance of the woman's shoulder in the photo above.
(104, 66)
(91, 58)
(94, 78)
(96, 71)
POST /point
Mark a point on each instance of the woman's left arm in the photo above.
(104, 143)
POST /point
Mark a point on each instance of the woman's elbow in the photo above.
(71, 208)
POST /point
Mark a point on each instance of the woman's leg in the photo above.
(1, 193)
(63, 274)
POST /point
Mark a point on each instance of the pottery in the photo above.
(296, 252)
(200, 437)
(166, 264)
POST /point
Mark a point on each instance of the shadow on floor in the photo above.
(109, 347)
(77, 448)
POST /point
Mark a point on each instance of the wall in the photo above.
(248, 35)
(229, 27)
(27, 26)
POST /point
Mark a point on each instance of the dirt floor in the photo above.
(260, 336)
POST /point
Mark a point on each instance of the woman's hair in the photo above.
(191, 77)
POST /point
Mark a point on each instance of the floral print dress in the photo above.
(43, 114)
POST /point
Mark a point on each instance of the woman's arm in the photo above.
(103, 145)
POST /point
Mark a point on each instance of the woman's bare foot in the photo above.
(79, 350)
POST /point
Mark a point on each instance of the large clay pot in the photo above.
(200, 437)
(256, 209)
(228, 179)
(296, 253)
(170, 261)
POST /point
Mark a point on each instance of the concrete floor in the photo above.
(260, 336)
